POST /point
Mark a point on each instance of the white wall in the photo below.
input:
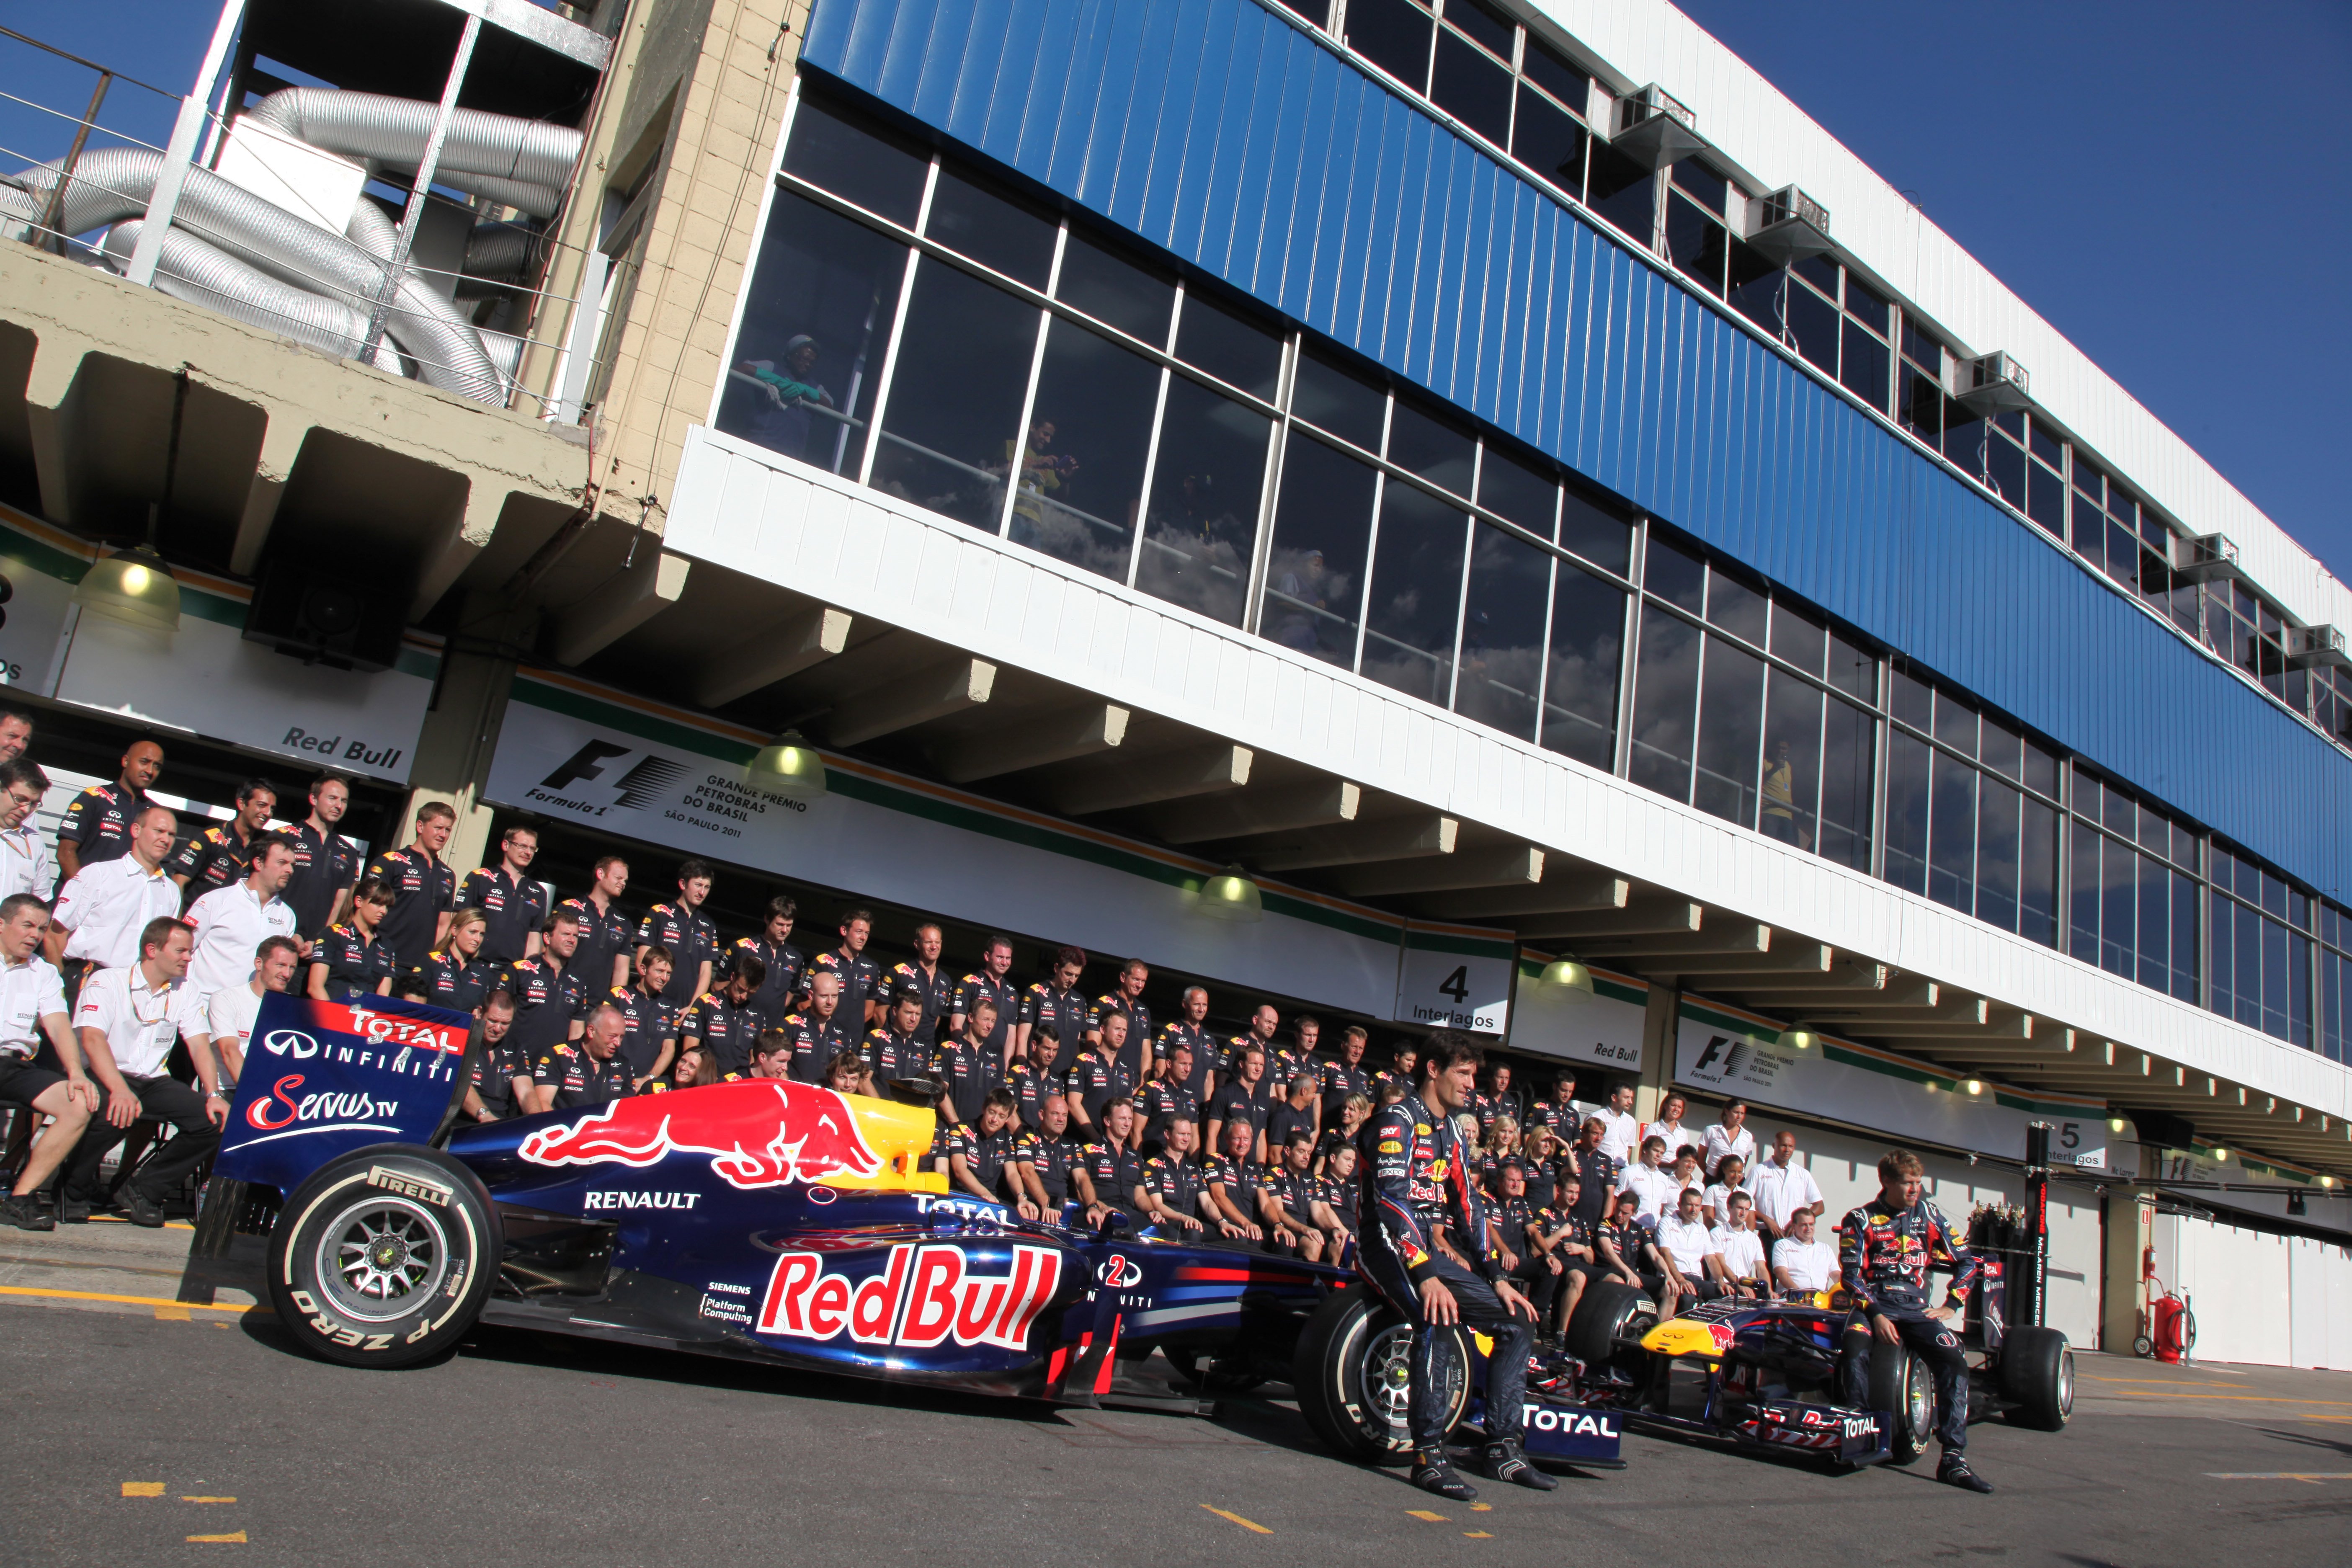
(2236, 1282)
(2319, 1329)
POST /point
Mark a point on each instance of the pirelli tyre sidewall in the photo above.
(1902, 1386)
(383, 1257)
(1350, 1377)
(2037, 1378)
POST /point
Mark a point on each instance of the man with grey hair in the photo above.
(588, 1072)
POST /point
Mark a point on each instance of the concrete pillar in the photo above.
(1659, 1022)
(2127, 1231)
(461, 731)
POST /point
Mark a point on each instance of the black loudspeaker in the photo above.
(324, 619)
(2163, 1128)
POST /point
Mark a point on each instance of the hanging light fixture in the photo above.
(788, 766)
(2221, 1156)
(1797, 1037)
(1231, 896)
(1566, 979)
(131, 585)
(1976, 1085)
(2114, 1124)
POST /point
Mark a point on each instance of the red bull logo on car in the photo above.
(796, 1132)
(923, 1297)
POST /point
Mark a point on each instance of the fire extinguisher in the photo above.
(2171, 1325)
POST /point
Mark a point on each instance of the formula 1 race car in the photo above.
(762, 1220)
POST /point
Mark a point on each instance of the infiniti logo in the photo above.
(282, 1042)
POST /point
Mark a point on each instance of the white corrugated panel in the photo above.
(1772, 139)
(2237, 1282)
(2320, 1331)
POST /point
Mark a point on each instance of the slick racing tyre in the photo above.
(1610, 1316)
(1901, 1383)
(2037, 1378)
(385, 1256)
(1354, 1376)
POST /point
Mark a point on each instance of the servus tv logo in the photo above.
(600, 777)
(922, 1297)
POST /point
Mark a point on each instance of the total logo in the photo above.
(923, 1297)
(1568, 1423)
(280, 1108)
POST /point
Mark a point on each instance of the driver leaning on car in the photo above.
(1885, 1250)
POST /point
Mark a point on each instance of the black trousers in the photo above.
(1480, 1309)
(160, 1099)
(1539, 1284)
(1936, 1344)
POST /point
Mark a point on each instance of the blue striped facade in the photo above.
(1218, 131)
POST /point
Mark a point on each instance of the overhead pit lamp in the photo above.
(1231, 896)
(2326, 1181)
(1797, 1037)
(788, 766)
(1974, 1086)
(2221, 1156)
(1566, 979)
(2114, 1124)
(131, 585)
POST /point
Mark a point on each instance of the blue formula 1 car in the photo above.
(760, 1220)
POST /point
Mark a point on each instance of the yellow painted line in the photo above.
(1479, 1534)
(2280, 1475)
(177, 1314)
(1424, 1513)
(1482, 1508)
(185, 1498)
(234, 1538)
(118, 1219)
(2161, 1382)
(2237, 1398)
(1237, 1519)
(142, 1488)
(127, 1301)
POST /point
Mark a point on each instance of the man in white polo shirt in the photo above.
(1622, 1134)
(128, 1019)
(104, 906)
(1784, 1187)
(27, 865)
(1653, 1186)
(1741, 1249)
(32, 1008)
(1682, 1238)
(232, 922)
(1800, 1263)
(229, 1014)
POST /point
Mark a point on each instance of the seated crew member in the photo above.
(1569, 1240)
(891, 1049)
(847, 1074)
(1741, 1251)
(1288, 1199)
(1044, 1158)
(127, 1020)
(503, 1085)
(1179, 1197)
(1033, 1080)
(589, 1073)
(1342, 1196)
(1234, 1179)
(819, 1031)
(772, 1055)
(229, 1013)
(1682, 1238)
(1424, 1209)
(966, 1063)
(1111, 1174)
(980, 1155)
(1885, 1250)
(452, 974)
(1526, 1253)
(717, 1030)
(1632, 1252)
(1801, 1264)
(36, 1010)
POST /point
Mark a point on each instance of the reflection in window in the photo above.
(1510, 488)
(1339, 400)
(1730, 700)
(1548, 140)
(1091, 435)
(1621, 190)
(1394, 36)
(1998, 806)
(1503, 632)
(1848, 759)
(1666, 700)
(814, 326)
(879, 173)
(1314, 571)
(1115, 291)
(1952, 836)
(1415, 604)
(948, 431)
(1229, 346)
(1601, 537)
(1736, 607)
(972, 220)
(1473, 88)
(1201, 527)
(1579, 704)
(1675, 574)
(1439, 452)
(2037, 873)
(1906, 812)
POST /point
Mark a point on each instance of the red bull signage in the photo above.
(764, 1133)
(923, 1298)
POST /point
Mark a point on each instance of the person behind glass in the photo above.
(454, 975)
(1055, 1002)
(1344, 1076)
(229, 1013)
(592, 1072)
(515, 904)
(217, 857)
(649, 1021)
(33, 1010)
(326, 864)
(819, 1032)
(1425, 1252)
(788, 389)
(230, 923)
(685, 934)
(16, 734)
(782, 966)
(605, 929)
(717, 1031)
(1043, 1157)
(502, 1084)
(98, 823)
(981, 1152)
(27, 865)
(1779, 817)
(1729, 1135)
(127, 1021)
(1110, 1172)
(1041, 472)
(424, 888)
(891, 1050)
(988, 980)
(1233, 1176)
(104, 908)
(1299, 585)
(1245, 1101)
(923, 975)
(1189, 1030)
(1126, 998)
(353, 959)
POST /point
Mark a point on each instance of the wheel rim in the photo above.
(2065, 1382)
(1387, 1382)
(1918, 1402)
(382, 1257)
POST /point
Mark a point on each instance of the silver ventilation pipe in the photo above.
(192, 270)
(518, 162)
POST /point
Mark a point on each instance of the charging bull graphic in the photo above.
(758, 1134)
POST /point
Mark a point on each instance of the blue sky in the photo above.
(2165, 182)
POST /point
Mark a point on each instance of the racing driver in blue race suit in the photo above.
(1425, 1252)
(1885, 1250)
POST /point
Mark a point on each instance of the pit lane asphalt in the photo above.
(143, 1433)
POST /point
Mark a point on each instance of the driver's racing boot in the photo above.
(1954, 1472)
(1433, 1473)
(1505, 1462)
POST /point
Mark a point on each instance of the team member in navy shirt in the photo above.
(605, 929)
(352, 958)
(860, 976)
(516, 905)
(782, 965)
(686, 932)
(454, 975)
(326, 864)
(97, 822)
(424, 888)
(219, 856)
